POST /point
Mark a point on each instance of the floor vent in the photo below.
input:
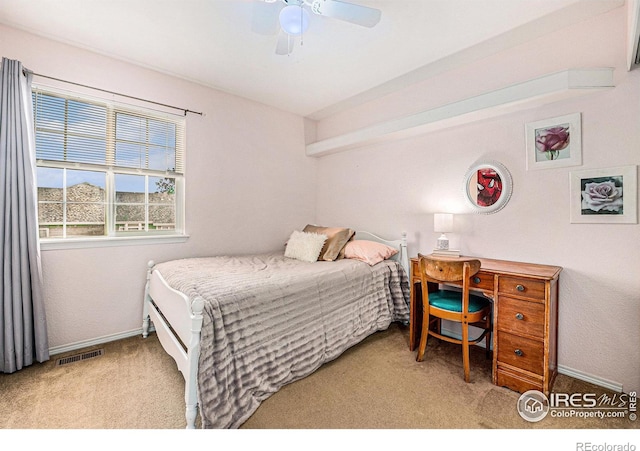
(79, 357)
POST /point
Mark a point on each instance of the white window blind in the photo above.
(81, 131)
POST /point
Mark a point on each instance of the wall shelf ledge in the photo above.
(516, 97)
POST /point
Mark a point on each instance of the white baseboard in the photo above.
(599, 381)
(95, 341)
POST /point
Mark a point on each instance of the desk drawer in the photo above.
(519, 286)
(521, 352)
(518, 316)
(483, 281)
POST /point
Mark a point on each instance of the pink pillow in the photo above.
(368, 251)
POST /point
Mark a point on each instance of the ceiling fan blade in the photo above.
(349, 12)
(285, 43)
(264, 17)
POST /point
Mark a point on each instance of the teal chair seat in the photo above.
(452, 301)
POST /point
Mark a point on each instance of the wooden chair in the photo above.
(453, 305)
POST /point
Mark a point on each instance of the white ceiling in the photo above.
(211, 42)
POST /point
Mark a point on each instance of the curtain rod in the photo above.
(185, 110)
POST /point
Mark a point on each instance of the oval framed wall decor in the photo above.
(487, 186)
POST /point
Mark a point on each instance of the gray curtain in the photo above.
(23, 329)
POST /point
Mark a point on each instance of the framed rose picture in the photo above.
(604, 195)
(553, 143)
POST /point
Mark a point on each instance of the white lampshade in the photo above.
(294, 19)
(443, 222)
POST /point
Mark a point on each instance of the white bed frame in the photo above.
(178, 321)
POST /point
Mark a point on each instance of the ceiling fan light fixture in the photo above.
(294, 20)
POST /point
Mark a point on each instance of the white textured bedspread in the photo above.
(270, 320)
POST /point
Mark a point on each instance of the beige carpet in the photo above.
(375, 385)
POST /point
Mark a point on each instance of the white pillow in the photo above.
(305, 246)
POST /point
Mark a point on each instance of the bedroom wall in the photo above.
(249, 185)
(397, 186)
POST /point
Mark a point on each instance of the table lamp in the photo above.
(443, 223)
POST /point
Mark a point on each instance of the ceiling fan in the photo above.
(290, 18)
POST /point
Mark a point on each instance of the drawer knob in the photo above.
(520, 287)
(476, 279)
(519, 316)
(518, 352)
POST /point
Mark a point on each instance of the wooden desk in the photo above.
(525, 320)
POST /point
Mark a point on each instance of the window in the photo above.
(105, 170)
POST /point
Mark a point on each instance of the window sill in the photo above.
(82, 243)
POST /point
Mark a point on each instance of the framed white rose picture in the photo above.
(604, 195)
(553, 143)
